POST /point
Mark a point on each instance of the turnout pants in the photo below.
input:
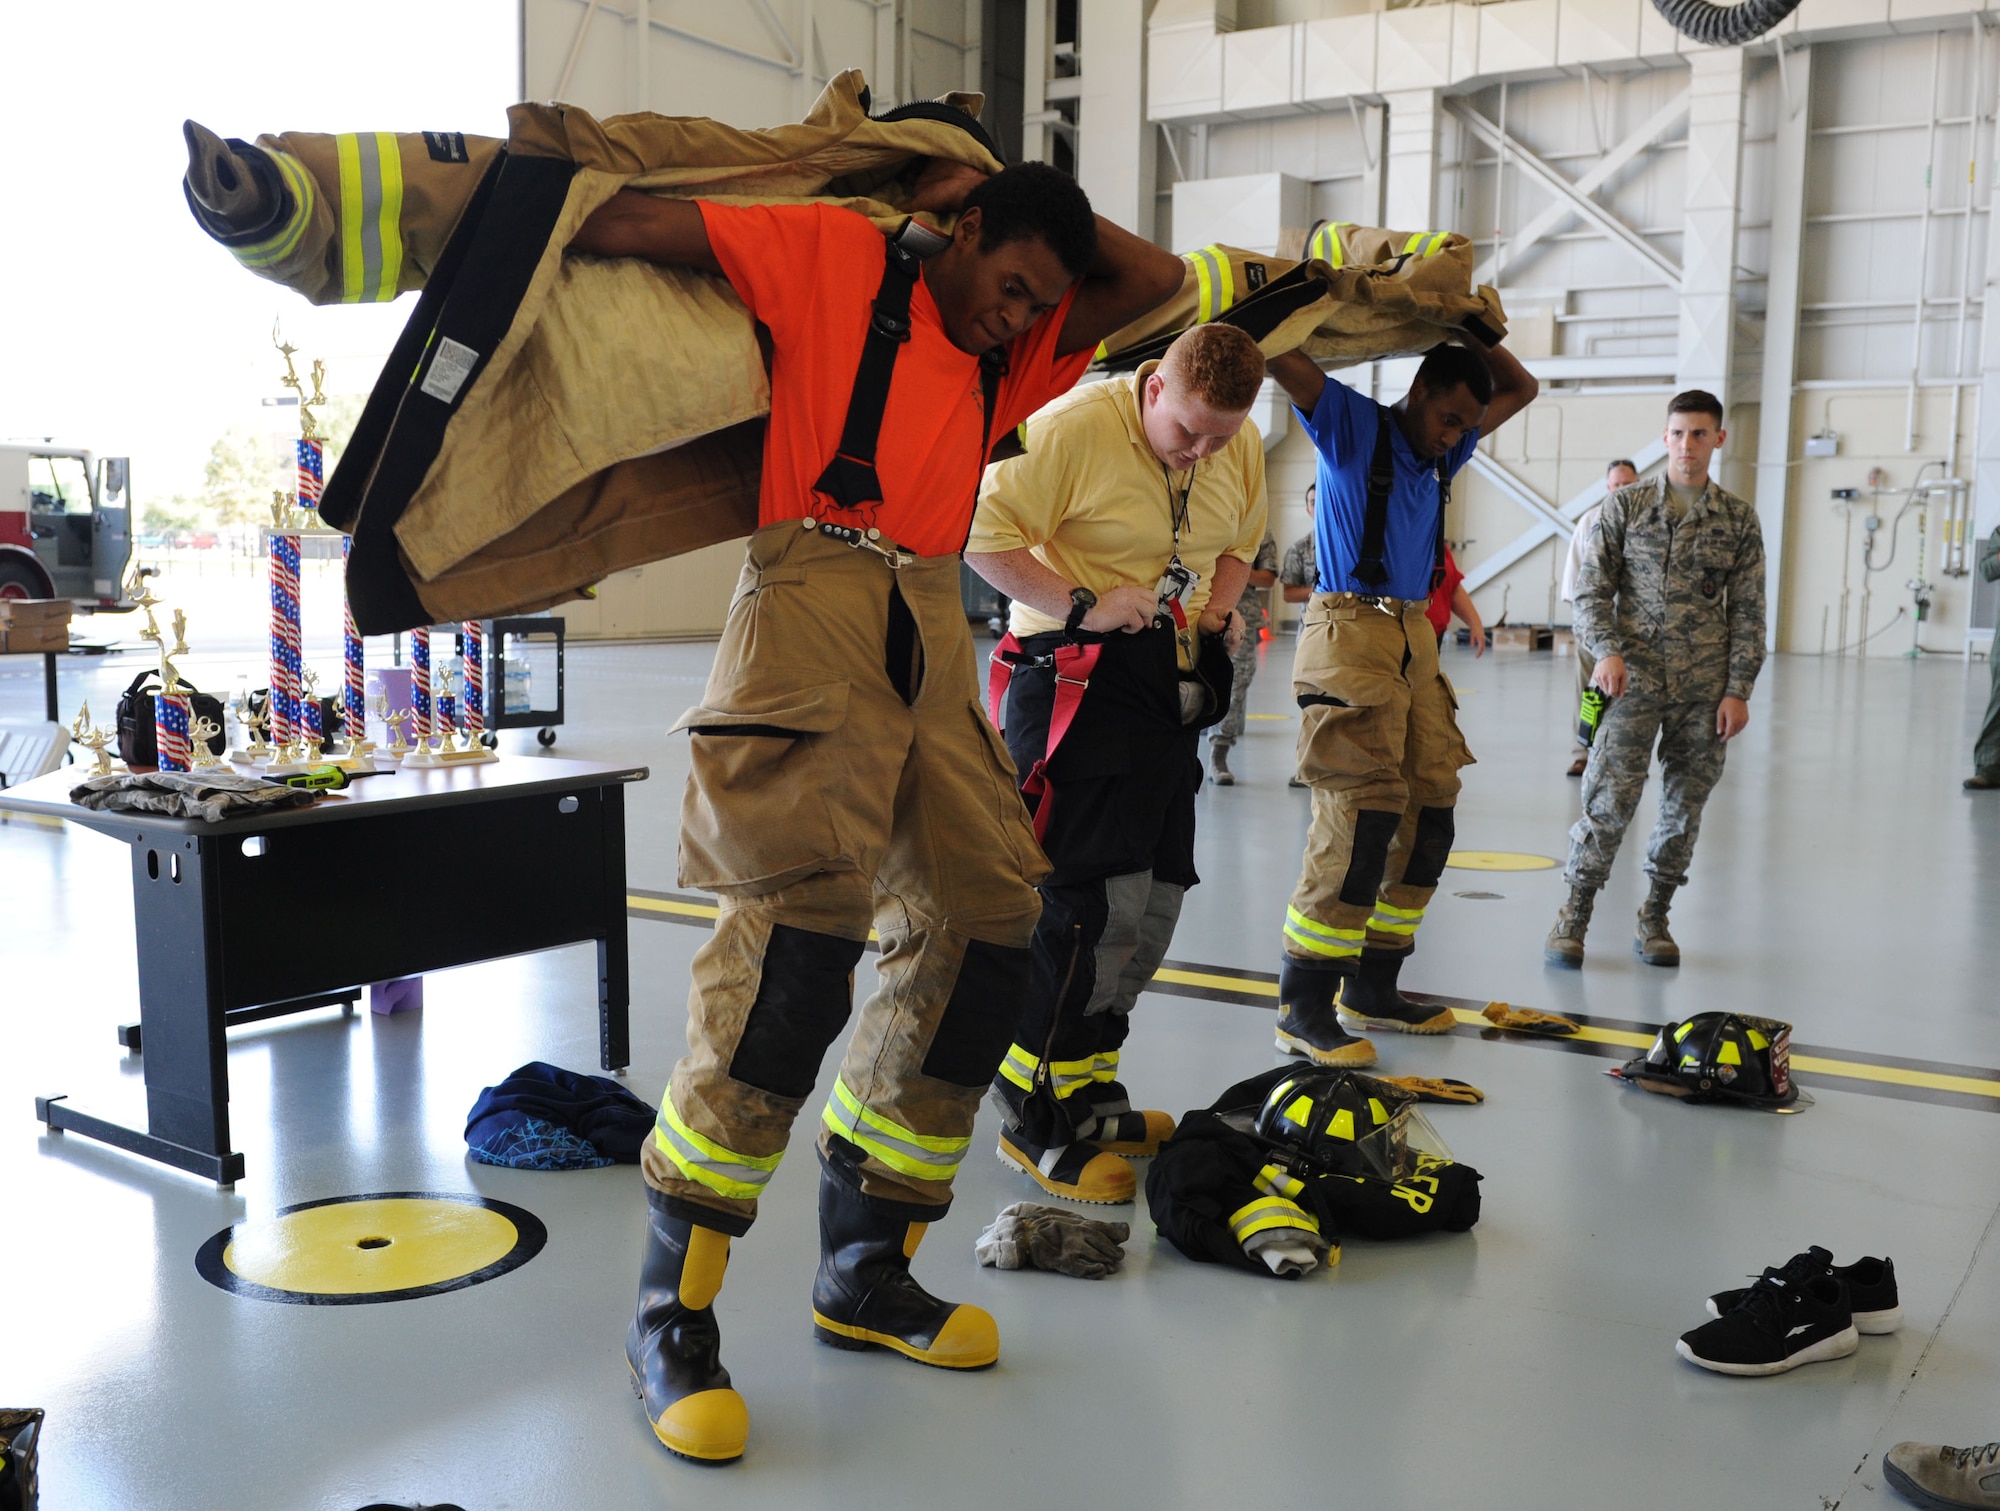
(1691, 756)
(1120, 838)
(1379, 746)
(844, 776)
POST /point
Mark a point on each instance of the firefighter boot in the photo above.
(1307, 1022)
(865, 1297)
(1080, 1170)
(1369, 999)
(223, 182)
(1565, 941)
(674, 1346)
(1652, 943)
(1135, 1135)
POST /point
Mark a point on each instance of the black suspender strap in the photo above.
(1371, 568)
(849, 480)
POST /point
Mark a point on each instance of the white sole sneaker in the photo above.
(1838, 1346)
(1868, 1324)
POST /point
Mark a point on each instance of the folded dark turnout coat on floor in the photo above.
(1211, 1173)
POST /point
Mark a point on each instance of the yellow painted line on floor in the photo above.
(1857, 1070)
(1895, 1075)
(1276, 718)
(1217, 983)
(681, 909)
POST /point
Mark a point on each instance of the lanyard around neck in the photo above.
(1177, 513)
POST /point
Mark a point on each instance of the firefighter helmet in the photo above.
(1340, 1121)
(1728, 1057)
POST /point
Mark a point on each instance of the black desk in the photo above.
(237, 918)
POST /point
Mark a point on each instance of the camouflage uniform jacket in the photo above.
(1301, 565)
(1683, 604)
(1251, 605)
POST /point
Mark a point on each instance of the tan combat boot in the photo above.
(1565, 942)
(1653, 943)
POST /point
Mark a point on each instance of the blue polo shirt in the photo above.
(1343, 426)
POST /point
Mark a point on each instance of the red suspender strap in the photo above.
(1000, 672)
(1074, 664)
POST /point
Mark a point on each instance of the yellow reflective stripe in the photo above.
(1728, 1054)
(1205, 287)
(1104, 1067)
(741, 1177)
(1320, 938)
(1225, 277)
(1437, 240)
(1423, 243)
(1273, 1181)
(1389, 919)
(1019, 1067)
(282, 243)
(390, 219)
(1342, 1126)
(1269, 1212)
(1327, 245)
(371, 216)
(347, 147)
(923, 1156)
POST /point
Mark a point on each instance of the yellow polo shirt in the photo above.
(1096, 507)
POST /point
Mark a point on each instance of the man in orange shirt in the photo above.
(844, 776)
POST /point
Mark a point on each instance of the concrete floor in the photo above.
(1843, 883)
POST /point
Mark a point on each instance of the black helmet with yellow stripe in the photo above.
(1724, 1057)
(1340, 1121)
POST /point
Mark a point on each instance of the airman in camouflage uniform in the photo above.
(1671, 594)
(1256, 619)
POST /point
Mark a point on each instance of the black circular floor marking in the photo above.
(531, 1236)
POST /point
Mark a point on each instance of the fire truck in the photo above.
(65, 525)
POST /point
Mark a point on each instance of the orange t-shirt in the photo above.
(809, 273)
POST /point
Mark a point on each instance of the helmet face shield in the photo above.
(1349, 1124)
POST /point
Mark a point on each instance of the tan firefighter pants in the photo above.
(1379, 746)
(845, 776)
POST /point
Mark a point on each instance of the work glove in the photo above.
(1424, 1089)
(223, 183)
(1026, 1236)
(1526, 1020)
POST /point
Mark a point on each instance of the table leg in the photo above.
(49, 686)
(174, 905)
(614, 961)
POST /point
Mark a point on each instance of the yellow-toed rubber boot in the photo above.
(1081, 1171)
(1133, 1135)
(674, 1345)
(865, 1297)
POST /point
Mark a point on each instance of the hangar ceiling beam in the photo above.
(1775, 448)
(1549, 521)
(1710, 219)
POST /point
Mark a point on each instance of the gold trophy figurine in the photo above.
(170, 677)
(308, 426)
(309, 743)
(250, 718)
(393, 721)
(92, 739)
(205, 729)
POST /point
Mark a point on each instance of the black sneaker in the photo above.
(1779, 1325)
(1871, 1288)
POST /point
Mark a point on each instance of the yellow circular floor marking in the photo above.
(1497, 860)
(394, 1246)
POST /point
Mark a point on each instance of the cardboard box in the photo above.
(23, 613)
(1522, 637)
(36, 638)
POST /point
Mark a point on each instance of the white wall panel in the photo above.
(1597, 31)
(1249, 211)
(1413, 48)
(1518, 37)
(1259, 71)
(1339, 57)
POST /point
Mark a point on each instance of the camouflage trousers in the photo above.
(1691, 756)
(1244, 664)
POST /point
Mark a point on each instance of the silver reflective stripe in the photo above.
(371, 216)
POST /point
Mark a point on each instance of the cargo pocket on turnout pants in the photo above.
(1344, 728)
(756, 815)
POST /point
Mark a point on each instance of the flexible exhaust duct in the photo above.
(1724, 25)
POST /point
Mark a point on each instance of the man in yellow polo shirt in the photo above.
(1124, 536)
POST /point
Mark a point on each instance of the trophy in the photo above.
(205, 729)
(452, 753)
(92, 739)
(256, 721)
(311, 737)
(170, 677)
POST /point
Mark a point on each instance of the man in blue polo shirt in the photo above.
(1378, 739)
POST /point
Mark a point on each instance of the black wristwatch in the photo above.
(1081, 602)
